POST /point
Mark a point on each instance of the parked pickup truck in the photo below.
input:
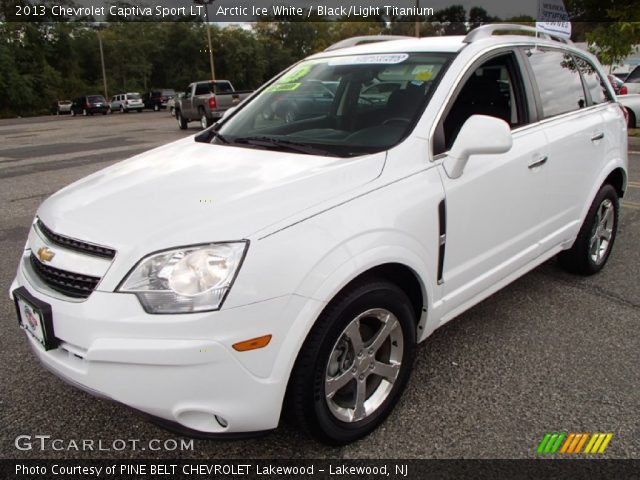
(207, 101)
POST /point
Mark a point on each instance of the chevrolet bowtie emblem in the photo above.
(45, 255)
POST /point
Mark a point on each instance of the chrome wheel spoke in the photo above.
(354, 335)
(606, 215)
(359, 412)
(383, 333)
(388, 371)
(333, 385)
(606, 234)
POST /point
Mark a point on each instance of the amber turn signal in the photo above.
(252, 344)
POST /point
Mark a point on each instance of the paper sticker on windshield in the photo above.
(423, 72)
(296, 74)
(283, 87)
(385, 59)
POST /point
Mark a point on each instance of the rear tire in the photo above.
(204, 120)
(182, 122)
(355, 363)
(594, 242)
(631, 123)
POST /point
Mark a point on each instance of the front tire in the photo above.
(594, 242)
(355, 363)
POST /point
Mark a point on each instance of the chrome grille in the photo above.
(73, 244)
(72, 284)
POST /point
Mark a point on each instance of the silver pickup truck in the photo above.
(207, 101)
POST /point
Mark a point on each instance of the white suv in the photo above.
(302, 246)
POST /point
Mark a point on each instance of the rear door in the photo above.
(493, 213)
(575, 133)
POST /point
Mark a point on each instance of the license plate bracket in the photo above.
(35, 317)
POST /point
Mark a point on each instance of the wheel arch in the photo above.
(614, 174)
(618, 180)
(398, 273)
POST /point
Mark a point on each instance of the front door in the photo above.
(493, 214)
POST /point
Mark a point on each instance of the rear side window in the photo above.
(223, 87)
(203, 89)
(634, 76)
(593, 82)
(558, 80)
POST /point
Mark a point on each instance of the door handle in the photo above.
(597, 136)
(538, 162)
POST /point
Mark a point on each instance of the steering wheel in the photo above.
(396, 119)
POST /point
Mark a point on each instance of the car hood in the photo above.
(188, 192)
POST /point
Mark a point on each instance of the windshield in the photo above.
(343, 106)
(133, 96)
(96, 98)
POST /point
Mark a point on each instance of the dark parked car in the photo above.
(90, 104)
(157, 99)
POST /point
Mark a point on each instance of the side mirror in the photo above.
(228, 111)
(479, 135)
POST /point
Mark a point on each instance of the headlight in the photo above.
(189, 279)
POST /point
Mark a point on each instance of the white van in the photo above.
(127, 102)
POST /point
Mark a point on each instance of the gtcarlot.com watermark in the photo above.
(47, 443)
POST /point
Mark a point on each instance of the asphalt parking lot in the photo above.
(551, 352)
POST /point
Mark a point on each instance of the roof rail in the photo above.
(486, 31)
(353, 41)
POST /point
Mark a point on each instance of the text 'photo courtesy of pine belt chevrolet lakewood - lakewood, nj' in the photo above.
(348, 221)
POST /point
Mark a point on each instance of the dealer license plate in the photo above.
(35, 317)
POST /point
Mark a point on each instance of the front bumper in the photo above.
(179, 368)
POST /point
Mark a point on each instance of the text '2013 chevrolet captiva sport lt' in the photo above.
(302, 246)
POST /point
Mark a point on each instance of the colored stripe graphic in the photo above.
(573, 443)
(550, 443)
(598, 442)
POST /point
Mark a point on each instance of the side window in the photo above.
(187, 92)
(203, 89)
(223, 87)
(493, 89)
(593, 82)
(634, 76)
(558, 81)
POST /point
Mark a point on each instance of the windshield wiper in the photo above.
(207, 136)
(271, 142)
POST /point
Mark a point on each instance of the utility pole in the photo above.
(206, 4)
(417, 19)
(104, 73)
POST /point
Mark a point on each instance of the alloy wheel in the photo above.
(364, 365)
(602, 232)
